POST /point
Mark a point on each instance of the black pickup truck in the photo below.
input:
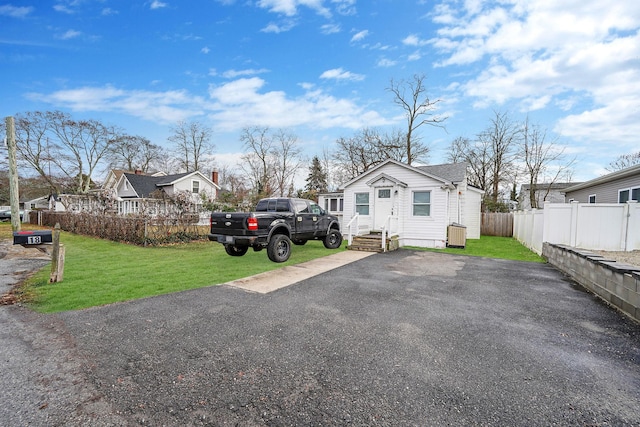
(275, 224)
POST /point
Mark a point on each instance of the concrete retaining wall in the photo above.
(617, 283)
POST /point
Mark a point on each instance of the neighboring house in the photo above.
(138, 193)
(552, 193)
(334, 204)
(37, 204)
(416, 203)
(617, 187)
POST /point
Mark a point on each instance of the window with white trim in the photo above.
(195, 186)
(362, 203)
(422, 203)
(628, 194)
(592, 198)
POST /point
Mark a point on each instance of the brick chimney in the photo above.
(138, 171)
(214, 176)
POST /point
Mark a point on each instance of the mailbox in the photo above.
(36, 237)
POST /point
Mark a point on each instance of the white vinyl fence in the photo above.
(597, 226)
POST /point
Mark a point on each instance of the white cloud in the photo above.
(415, 56)
(345, 7)
(162, 107)
(205, 50)
(413, 40)
(240, 103)
(15, 11)
(232, 74)
(69, 34)
(546, 53)
(290, 7)
(360, 35)
(231, 106)
(107, 11)
(340, 74)
(385, 62)
(330, 29)
(156, 4)
(283, 27)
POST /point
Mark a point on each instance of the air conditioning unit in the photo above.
(456, 236)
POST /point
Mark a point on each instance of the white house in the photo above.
(154, 194)
(415, 203)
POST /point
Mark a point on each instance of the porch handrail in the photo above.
(386, 230)
(350, 224)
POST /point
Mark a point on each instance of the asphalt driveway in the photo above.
(401, 338)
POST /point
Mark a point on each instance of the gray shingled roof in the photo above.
(144, 185)
(454, 172)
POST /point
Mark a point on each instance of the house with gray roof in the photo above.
(617, 187)
(416, 204)
(137, 193)
(545, 192)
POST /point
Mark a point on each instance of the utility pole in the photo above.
(14, 196)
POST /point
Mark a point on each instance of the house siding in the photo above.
(606, 192)
(414, 231)
(472, 215)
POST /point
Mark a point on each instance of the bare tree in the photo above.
(74, 148)
(272, 160)
(624, 161)
(286, 159)
(419, 110)
(541, 156)
(258, 163)
(500, 138)
(86, 143)
(477, 155)
(134, 152)
(357, 154)
(36, 148)
(192, 143)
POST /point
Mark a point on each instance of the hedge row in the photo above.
(139, 230)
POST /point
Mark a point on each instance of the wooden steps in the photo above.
(372, 242)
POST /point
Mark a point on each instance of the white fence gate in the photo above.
(597, 226)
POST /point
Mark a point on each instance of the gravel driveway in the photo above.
(401, 338)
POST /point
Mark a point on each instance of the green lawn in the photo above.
(493, 247)
(99, 272)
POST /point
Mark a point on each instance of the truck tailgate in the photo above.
(229, 223)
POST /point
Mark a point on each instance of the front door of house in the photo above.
(383, 206)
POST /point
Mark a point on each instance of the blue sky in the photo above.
(319, 68)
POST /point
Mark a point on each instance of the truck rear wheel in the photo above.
(279, 248)
(234, 250)
(333, 239)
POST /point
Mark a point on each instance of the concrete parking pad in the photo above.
(270, 281)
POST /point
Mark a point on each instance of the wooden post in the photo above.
(57, 257)
(14, 197)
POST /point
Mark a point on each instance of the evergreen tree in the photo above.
(317, 178)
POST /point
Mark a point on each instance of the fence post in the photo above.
(629, 211)
(57, 257)
(573, 236)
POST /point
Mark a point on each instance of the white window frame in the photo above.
(195, 186)
(623, 190)
(589, 198)
(414, 204)
(356, 204)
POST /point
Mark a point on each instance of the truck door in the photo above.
(319, 218)
(305, 225)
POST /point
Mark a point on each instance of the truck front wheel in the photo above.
(279, 248)
(234, 250)
(333, 239)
